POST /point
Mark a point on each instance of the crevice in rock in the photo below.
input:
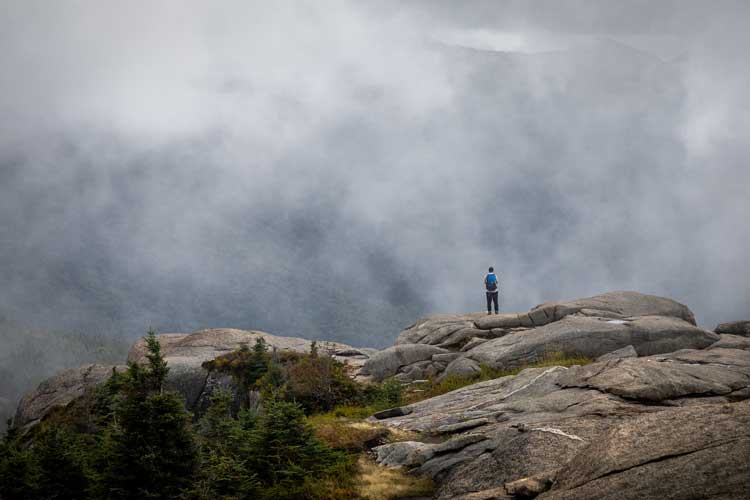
(203, 389)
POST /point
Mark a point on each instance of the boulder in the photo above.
(540, 316)
(434, 329)
(621, 304)
(415, 453)
(694, 452)
(712, 372)
(741, 328)
(398, 358)
(420, 370)
(403, 454)
(498, 321)
(60, 390)
(732, 342)
(592, 337)
(462, 367)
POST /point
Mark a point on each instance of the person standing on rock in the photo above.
(490, 285)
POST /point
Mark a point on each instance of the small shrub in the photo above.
(285, 454)
(245, 366)
(319, 383)
(387, 394)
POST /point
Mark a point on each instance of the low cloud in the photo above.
(335, 169)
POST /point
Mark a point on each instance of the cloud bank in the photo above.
(336, 169)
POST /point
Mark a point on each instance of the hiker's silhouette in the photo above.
(491, 290)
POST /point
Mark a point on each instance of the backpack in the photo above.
(491, 282)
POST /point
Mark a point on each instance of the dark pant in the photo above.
(492, 298)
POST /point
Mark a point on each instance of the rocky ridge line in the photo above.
(458, 344)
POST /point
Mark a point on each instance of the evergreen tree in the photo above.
(150, 452)
(157, 366)
(273, 382)
(284, 451)
(257, 364)
(60, 461)
(18, 472)
(217, 425)
(223, 473)
(105, 398)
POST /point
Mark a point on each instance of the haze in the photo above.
(335, 170)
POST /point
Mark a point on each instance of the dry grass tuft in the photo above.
(355, 435)
(380, 483)
(349, 436)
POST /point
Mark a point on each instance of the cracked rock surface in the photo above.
(600, 427)
(694, 452)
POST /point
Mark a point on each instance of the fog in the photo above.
(335, 170)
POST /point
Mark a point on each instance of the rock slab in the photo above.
(547, 419)
(741, 328)
(693, 452)
(60, 390)
(592, 337)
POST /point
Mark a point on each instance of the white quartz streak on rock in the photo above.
(526, 386)
(558, 432)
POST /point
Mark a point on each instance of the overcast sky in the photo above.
(337, 169)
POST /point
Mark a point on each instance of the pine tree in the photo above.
(60, 462)
(258, 364)
(150, 452)
(223, 473)
(217, 425)
(157, 366)
(18, 472)
(284, 451)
